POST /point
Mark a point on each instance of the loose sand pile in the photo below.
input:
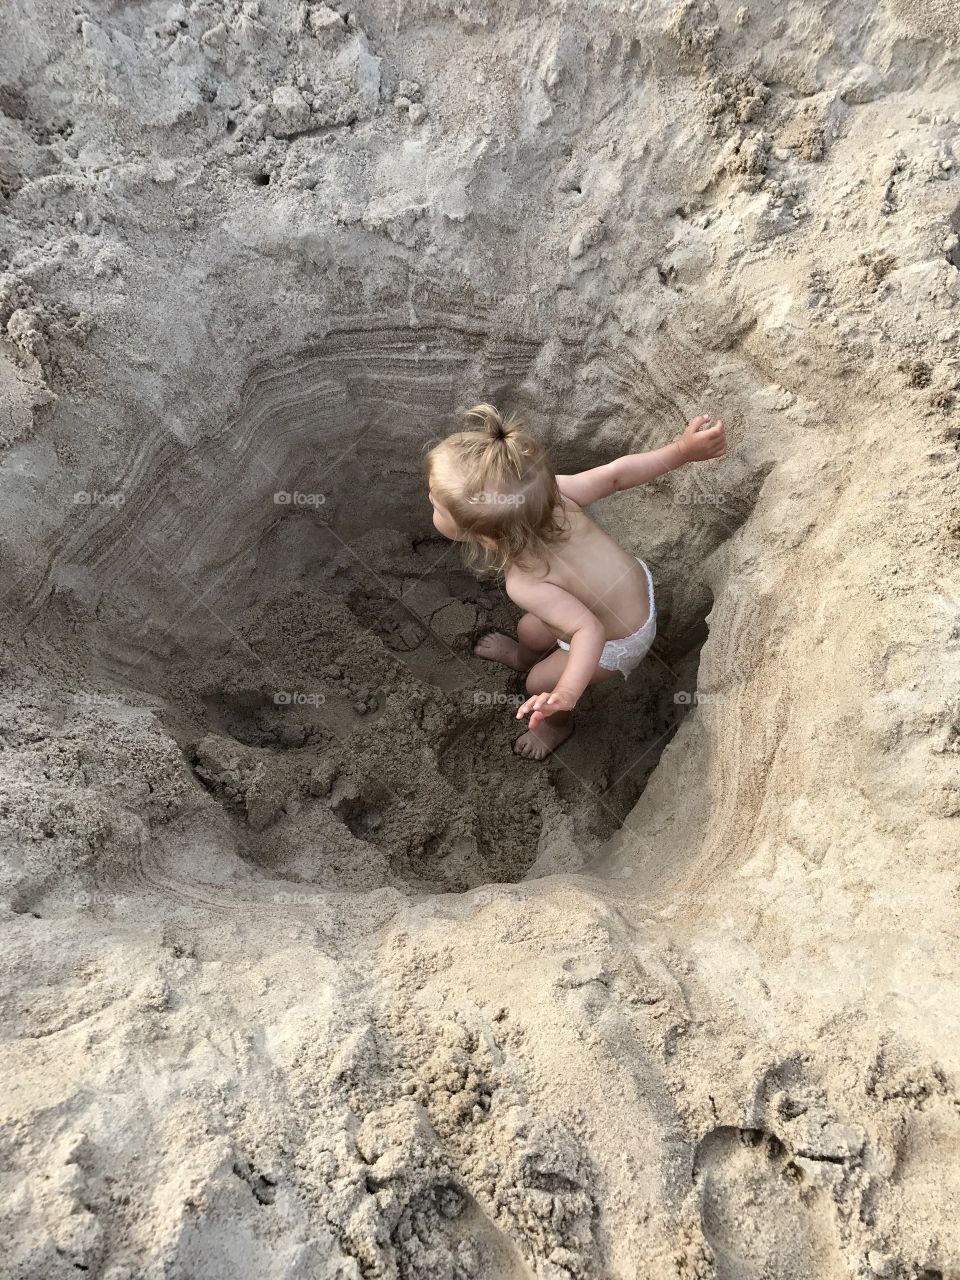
(304, 974)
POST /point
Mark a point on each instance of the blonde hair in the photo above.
(500, 490)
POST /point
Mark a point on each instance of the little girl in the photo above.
(589, 605)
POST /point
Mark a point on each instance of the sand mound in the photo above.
(306, 974)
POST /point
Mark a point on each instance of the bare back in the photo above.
(596, 570)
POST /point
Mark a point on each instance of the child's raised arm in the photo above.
(695, 445)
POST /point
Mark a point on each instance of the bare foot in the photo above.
(536, 744)
(496, 647)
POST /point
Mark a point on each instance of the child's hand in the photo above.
(696, 445)
(542, 705)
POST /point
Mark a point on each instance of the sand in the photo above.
(305, 975)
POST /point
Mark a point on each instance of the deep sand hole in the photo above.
(308, 635)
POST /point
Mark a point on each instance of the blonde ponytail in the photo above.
(491, 420)
(505, 438)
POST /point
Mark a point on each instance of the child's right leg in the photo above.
(534, 639)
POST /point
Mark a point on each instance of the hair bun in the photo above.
(491, 421)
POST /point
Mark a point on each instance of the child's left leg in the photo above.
(537, 743)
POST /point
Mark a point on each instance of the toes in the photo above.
(495, 646)
(529, 748)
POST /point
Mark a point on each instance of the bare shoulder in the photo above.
(515, 578)
(526, 588)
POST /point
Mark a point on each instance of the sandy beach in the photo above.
(304, 973)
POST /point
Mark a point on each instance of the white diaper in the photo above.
(623, 655)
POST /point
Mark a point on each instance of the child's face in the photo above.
(443, 521)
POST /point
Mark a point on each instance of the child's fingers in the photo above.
(714, 439)
(540, 708)
(696, 423)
